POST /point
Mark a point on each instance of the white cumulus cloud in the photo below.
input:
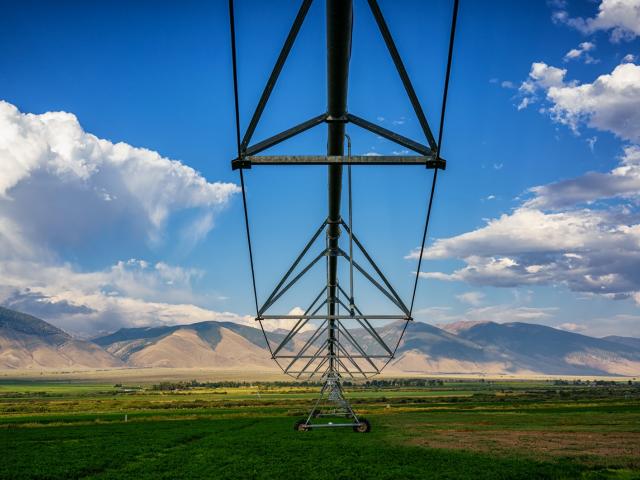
(53, 175)
(62, 187)
(500, 313)
(541, 77)
(472, 298)
(559, 237)
(581, 53)
(610, 103)
(589, 251)
(131, 293)
(572, 327)
(621, 182)
(620, 17)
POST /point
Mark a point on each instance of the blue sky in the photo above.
(96, 236)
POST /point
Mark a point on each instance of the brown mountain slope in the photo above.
(548, 350)
(185, 348)
(26, 342)
(476, 348)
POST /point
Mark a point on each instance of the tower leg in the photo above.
(332, 405)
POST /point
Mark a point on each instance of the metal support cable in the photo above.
(237, 110)
(337, 330)
(440, 133)
(351, 299)
(454, 20)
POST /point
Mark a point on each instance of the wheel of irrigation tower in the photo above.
(336, 338)
(363, 427)
(301, 425)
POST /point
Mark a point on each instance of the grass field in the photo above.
(458, 429)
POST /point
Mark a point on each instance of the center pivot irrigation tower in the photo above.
(331, 344)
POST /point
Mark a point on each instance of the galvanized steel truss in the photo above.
(331, 350)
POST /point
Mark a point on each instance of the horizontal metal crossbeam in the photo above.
(299, 373)
(329, 425)
(426, 157)
(425, 160)
(335, 356)
(334, 317)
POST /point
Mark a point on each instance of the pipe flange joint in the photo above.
(336, 119)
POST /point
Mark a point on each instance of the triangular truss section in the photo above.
(427, 155)
(304, 360)
(332, 404)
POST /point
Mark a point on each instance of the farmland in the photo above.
(438, 429)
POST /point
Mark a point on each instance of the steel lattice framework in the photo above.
(333, 338)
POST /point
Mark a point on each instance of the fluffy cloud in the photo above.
(508, 313)
(589, 251)
(501, 313)
(610, 103)
(53, 175)
(581, 53)
(621, 17)
(572, 327)
(472, 298)
(62, 187)
(584, 232)
(130, 293)
(544, 76)
(38, 304)
(541, 77)
(552, 239)
(621, 182)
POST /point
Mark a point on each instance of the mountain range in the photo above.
(27, 342)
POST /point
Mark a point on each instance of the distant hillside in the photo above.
(428, 348)
(223, 345)
(28, 342)
(478, 347)
(543, 349)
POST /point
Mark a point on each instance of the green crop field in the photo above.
(449, 430)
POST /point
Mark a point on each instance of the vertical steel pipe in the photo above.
(339, 27)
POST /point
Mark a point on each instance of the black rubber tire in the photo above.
(301, 425)
(364, 427)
